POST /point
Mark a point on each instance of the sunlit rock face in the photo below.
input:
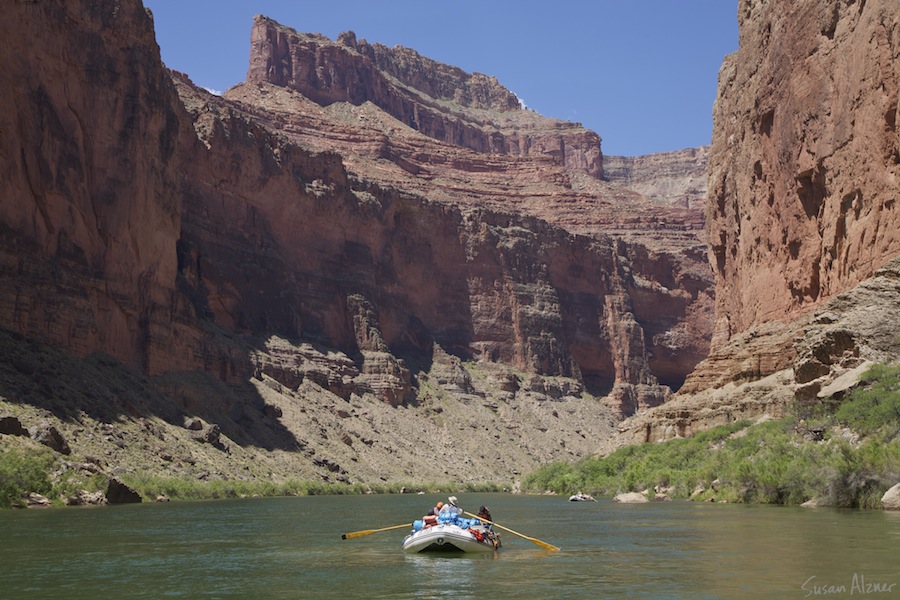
(470, 110)
(805, 157)
(672, 178)
(802, 218)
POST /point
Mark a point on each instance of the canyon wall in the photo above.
(805, 157)
(672, 178)
(289, 256)
(417, 91)
(479, 283)
(802, 217)
(90, 200)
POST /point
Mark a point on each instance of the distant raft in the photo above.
(580, 497)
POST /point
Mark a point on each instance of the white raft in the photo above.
(449, 537)
(579, 497)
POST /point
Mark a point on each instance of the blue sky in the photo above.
(641, 73)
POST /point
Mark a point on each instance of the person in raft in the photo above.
(452, 507)
(485, 515)
(436, 510)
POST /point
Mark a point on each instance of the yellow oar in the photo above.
(550, 547)
(355, 534)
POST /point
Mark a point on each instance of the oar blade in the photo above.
(544, 545)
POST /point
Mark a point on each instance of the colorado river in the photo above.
(292, 548)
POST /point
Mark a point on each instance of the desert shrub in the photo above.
(766, 463)
(23, 471)
(875, 406)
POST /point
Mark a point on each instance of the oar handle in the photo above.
(355, 534)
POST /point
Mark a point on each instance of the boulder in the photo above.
(119, 493)
(891, 498)
(49, 436)
(631, 498)
(211, 434)
(193, 423)
(86, 498)
(35, 500)
(10, 425)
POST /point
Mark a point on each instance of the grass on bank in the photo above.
(774, 462)
(150, 487)
(27, 466)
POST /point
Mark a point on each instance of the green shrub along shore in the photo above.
(842, 454)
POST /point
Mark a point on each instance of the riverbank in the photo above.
(29, 470)
(840, 454)
(470, 424)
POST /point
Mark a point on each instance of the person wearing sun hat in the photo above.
(452, 507)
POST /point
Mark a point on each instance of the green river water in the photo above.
(292, 548)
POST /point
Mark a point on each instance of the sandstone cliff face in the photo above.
(802, 217)
(89, 202)
(672, 178)
(363, 268)
(417, 91)
(292, 272)
(776, 369)
(804, 160)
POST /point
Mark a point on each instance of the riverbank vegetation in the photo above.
(151, 488)
(843, 454)
(27, 467)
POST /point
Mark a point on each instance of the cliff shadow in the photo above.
(102, 389)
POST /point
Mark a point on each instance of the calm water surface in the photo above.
(292, 548)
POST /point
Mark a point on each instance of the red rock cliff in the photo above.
(805, 157)
(443, 102)
(802, 218)
(167, 229)
(672, 178)
(90, 206)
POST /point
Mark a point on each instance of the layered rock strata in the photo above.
(671, 178)
(802, 218)
(419, 92)
(776, 369)
(91, 133)
(265, 262)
